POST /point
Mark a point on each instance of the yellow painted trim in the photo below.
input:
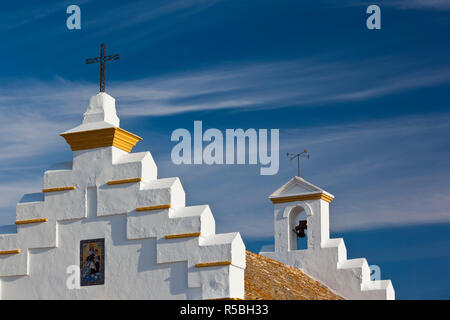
(183, 235)
(99, 138)
(59, 189)
(326, 198)
(213, 264)
(314, 196)
(31, 221)
(159, 207)
(124, 181)
(9, 252)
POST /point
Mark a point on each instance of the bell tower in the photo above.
(299, 198)
(301, 209)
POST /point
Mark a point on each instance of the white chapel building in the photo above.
(104, 226)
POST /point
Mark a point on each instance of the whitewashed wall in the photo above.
(325, 259)
(140, 263)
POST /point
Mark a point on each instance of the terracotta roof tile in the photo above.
(267, 279)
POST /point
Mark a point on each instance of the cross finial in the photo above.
(102, 59)
(303, 154)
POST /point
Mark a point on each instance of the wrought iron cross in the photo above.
(303, 154)
(102, 59)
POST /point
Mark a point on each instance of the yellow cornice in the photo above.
(313, 196)
(158, 207)
(183, 235)
(113, 182)
(9, 252)
(213, 264)
(99, 138)
(31, 221)
(59, 189)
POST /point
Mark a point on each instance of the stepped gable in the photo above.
(149, 245)
(152, 246)
(322, 258)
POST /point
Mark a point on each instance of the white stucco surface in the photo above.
(100, 114)
(324, 259)
(140, 263)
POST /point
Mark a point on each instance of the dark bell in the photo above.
(300, 229)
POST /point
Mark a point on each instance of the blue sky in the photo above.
(370, 106)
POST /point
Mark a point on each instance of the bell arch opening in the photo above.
(298, 229)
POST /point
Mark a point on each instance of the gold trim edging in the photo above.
(9, 252)
(158, 207)
(31, 221)
(113, 182)
(183, 235)
(99, 138)
(213, 264)
(59, 189)
(314, 196)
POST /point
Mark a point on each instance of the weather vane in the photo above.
(102, 59)
(303, 154)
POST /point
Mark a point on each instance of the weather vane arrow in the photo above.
(303, 154)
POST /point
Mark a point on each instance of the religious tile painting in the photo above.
(92, 262)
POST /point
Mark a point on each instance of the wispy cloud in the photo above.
(132, 25)
(274, 85)
(142, 12)
(30, 132)
(29, 106)
(386, 172)
(11, 192)
(265, 85)
(18, 16)
(357, 157)
(409, 4)
(145, 22)
(383, 173)
(400, 4)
